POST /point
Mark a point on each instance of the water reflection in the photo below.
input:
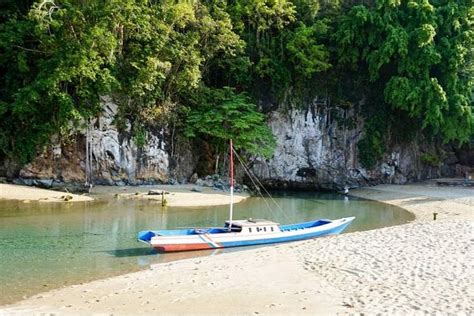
(132, 252)
(48, 245)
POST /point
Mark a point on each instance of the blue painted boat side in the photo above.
(310, 224)
(174, 232)
(146, 236)
(332, 231)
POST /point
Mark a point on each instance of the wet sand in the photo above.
(422, 267)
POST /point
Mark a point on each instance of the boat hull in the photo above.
(225, 240)
(182, 247)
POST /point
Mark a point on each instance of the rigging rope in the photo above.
(259, 185)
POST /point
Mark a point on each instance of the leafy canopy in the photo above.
(201, 66)
(421, 53)
(55, 61)
(58, 57)
(224, 114)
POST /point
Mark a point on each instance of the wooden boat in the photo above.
(239, 232)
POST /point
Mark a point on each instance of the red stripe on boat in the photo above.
(183, 247)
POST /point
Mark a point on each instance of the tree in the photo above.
(416, 57)
(55, 62)
(421, 54)
(58, 57)
(224, 114)
(284, 45)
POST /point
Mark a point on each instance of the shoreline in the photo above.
(422, 200)
(424, 266)
(182, 195)
(28, 194)
(176, 195)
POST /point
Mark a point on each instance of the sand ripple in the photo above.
(419, 267)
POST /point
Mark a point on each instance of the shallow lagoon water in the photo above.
(49, 245)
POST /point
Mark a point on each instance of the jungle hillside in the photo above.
(214, 69)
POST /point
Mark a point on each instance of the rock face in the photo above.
(116, 159)
(316, 150)
(311, 151)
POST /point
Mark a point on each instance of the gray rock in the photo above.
(387, 170)
(218, 186)
(312, 150)
(208, 183)
(157, 192)
(44, 183)
(115, 156)
(193, 178)
(23, 181)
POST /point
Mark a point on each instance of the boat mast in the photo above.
(231, 184)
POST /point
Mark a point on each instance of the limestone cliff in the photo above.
(116, 159)
(316, 149)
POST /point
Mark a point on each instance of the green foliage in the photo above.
(58, 57)
(430, 159)
(284, 44)
(307, 56)
(139, 137)
(420, 52)
(411, 61)
(372, 146)
(224, 114)
(54, 64)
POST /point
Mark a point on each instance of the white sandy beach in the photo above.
(422, 267)
(176, 195)
(27, 194)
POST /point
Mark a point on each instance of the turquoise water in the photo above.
(49, 245)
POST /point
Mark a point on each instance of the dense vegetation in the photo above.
(416, 58)
(203, 66)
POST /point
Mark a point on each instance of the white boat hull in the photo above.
(287, 233)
